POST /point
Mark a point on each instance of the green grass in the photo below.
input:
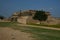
(41, 34)
(37, 33)
(7, 24)
(55, 26)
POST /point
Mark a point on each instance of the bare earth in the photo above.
(10, 34)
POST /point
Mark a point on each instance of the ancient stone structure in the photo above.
(51, 20)
(14, 16)
(25, 17)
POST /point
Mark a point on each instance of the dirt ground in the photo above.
(10, 34)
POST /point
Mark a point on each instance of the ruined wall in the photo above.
(30, 20)
(26, 17)
(22, 19)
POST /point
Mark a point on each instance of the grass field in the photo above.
(7, 24)
(55, 26)
(37, 33)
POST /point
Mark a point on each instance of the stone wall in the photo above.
(31, 20)
(22, 19)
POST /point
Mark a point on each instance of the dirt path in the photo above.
(52, 28)
(10, 34)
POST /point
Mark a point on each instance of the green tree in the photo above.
(2, 17)
(40, 15)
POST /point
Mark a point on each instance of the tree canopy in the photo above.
(2, 17)
(40, 15)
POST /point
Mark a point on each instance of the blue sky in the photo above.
(8, 7)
